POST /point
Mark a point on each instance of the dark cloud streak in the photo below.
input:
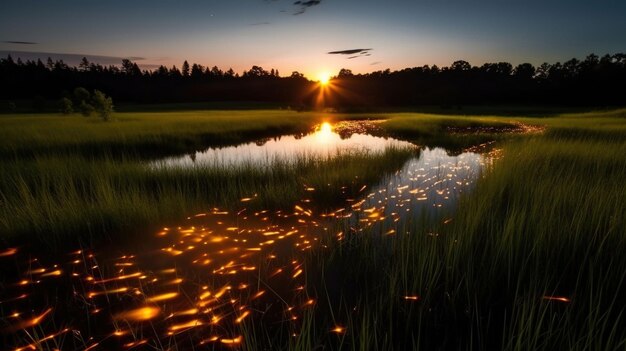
(362, 52)
(19, 42)
(304, 5)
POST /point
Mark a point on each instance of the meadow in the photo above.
(531, 258)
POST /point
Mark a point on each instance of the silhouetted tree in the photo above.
(196, 71)
(343, 73)
(84, 64)
(185, 69)
(216, 72)
(130, 68)
(524, 71)
(460, 66)
(103, 105)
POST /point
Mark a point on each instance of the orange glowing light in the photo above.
(135, 343)
(189, 312)
(163, 297)
(140, 314)
(258, 294)
(557, 298)
(236, 340)
(243, 315)
(187, 325)
(32, 322)
(56, 273)
(93, 294)
(8, 252)
(338, 330)
(121, 277)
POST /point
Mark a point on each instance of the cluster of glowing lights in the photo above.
(216, 272)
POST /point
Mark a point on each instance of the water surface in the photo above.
(323, 142)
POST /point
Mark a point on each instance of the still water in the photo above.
(196, 283)
(326, 141)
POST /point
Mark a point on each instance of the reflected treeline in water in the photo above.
(325, 141)
(215, 278)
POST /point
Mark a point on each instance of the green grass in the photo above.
(549, 219)
(58, 197)
(142, 132)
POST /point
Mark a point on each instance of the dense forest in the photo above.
(594, 81)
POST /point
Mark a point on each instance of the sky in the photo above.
(298, 35)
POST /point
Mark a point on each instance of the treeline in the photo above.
(593, 81)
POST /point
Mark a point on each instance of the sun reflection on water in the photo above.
(324, 134)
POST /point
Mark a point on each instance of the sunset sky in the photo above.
(298, 36)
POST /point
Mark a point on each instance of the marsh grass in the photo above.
(454, 133)
(547, 221)
(142, 133)
(53, 198)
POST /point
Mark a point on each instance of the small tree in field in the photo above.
(66, 106)
(103, 105)
(85, 109)
(81, 94)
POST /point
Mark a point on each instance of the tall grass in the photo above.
(59, 197)
(549, 220)
(143, 133)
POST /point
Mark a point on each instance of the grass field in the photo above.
(533, 258)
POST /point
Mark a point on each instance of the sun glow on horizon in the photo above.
(323, 78)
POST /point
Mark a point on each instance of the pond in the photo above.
(198, 282)
(326, 141)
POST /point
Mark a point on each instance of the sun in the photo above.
(323, 78)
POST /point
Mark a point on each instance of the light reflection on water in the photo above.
(324, 142)
(197, 283)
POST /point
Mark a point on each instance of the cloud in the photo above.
(304, 5)
(358, 52)
(375, 63)
(308, 3)
(19, 42)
